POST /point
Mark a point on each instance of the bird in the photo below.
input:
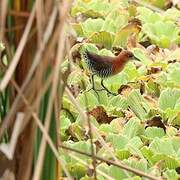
(106, 66)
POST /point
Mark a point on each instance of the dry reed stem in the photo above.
(10, 71)
(63, 14)
(8, 149)
(3, 6)
(40, 20)
(19, 14)
(44, 131)
(47, 34)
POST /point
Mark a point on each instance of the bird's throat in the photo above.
(118, 64)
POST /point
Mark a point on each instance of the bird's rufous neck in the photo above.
(119, 63)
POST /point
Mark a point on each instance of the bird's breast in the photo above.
(117, 66)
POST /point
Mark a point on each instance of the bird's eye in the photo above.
(130, 55)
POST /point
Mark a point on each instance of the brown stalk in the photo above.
(44, 131)
(16, 58)
(7, 121)
(3, 6)
(61, 40)
(24, 14)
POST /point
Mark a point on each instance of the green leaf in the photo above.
(174, 75)
(102, 38)
(133, 128)
(92, 25)
(78, 28)
(114, 82)
(106, 128)
(118, 141)
(138, 104)
(152, 132)
(116, 172)
(103, 167)
(162, 33)
(137, 164)
(171, 174)
(138, 53)
(76, 170)
(134, 145)
(118, 102)
(135, 142)
(84, 146)
(122, 35)
(87, 99)
(147, 153)
(122, 154)
(148, 16)
(168, 98)
(131, 71)
(115, 21)
(65, 123)
(171, 14)
(105, 52)
(162, 146)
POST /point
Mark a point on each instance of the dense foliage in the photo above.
(141, 124)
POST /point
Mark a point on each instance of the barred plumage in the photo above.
(97, 65)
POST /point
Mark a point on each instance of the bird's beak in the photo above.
(135, 58)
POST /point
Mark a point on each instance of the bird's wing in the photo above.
(96, 62)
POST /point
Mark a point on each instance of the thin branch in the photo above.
(120, 165)
(91, 139)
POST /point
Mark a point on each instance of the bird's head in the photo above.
(128, 55)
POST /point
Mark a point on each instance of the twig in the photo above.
(91, 139)
(120, 165)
